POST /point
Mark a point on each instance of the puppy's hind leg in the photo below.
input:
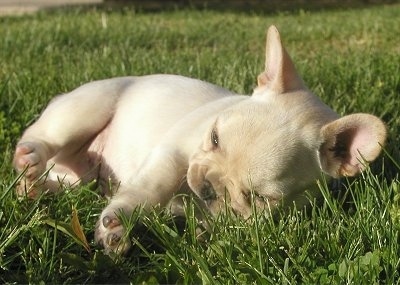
(68, 123)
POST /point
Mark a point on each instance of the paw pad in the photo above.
(113, 240)
(110, 222)
(111, 235)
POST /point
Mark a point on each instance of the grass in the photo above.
(348, 57)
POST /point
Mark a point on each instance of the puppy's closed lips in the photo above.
(146, 134)
(207, 192)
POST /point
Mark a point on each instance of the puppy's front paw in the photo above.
(111, 234)
(30, 155)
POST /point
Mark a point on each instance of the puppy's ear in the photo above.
(349, 142)
(280, 75)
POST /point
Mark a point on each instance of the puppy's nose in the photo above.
(207, 192)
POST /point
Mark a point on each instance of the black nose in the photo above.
(207, 191)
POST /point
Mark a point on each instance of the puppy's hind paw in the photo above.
(110, 234)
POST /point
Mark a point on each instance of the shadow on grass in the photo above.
(242, 6)
(238, 6)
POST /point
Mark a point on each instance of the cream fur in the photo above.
(149, 134)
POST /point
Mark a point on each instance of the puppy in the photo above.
(152, 134)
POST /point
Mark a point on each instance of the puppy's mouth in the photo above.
(207, 192)
(198, 180)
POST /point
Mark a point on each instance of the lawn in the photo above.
(351, 58)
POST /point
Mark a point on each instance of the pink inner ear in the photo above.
(359, 144)
(349, 142)
(273, 65)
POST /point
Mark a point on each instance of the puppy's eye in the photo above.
(253, 196)
(214, 138)
(260, 198)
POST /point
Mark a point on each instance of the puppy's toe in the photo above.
(28, 155)
(27, 189)
(111, 234)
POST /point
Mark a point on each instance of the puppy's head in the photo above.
(275, 144)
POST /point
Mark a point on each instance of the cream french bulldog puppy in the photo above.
(150, 135)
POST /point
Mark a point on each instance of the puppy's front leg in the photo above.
(153, 186)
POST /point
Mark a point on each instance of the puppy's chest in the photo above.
(118, 150)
